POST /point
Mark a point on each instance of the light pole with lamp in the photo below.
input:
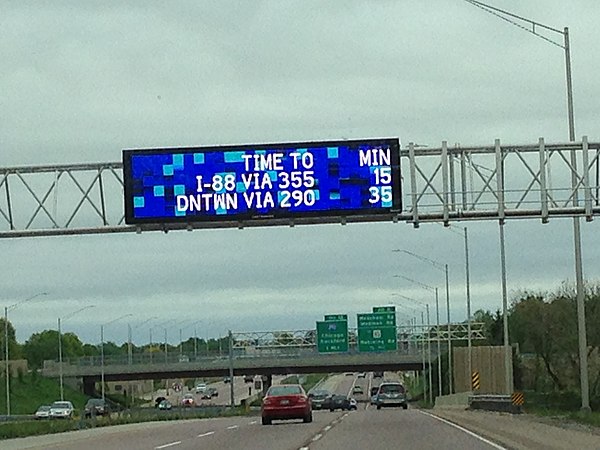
(581, 326)
(60, 361)
(130, 330)
(437, 332)
(444, 268)
(6, 356)
(102, 348)
(428, 328)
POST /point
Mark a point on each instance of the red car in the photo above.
(286, 401)
(188, 400)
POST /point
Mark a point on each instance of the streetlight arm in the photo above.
(436, 264)
(501, 14)
(423, 285)
(13, 306)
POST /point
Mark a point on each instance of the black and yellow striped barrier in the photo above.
(475, 381)
(517, 398)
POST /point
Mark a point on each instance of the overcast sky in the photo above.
(83, 80)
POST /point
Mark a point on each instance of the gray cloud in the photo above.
(83, 81)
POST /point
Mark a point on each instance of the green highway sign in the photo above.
(332, 336)
(377, 330)
(376, 320)
(377, 339)
(380, 309)
(336, 317)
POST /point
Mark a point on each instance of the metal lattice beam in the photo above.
(445, 184)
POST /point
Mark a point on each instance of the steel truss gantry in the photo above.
(308, 338)
(445, 184)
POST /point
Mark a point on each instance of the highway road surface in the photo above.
(365, 428)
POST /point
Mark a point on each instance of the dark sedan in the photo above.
(338, 401)
(318, 398)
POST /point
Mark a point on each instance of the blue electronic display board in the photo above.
(261, 182)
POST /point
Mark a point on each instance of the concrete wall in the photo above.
(13, 366)
(489, 362)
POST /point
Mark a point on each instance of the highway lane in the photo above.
(365, 428)
(394, 428)
(372, 429)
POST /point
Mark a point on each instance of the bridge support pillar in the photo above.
(89, 386)
(267, 381)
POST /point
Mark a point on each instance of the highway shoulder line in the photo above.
(464, 430)
(208, 433)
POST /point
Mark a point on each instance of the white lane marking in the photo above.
(464, 430)
(317, 437)
(206, 434)
(327, 428)
(303, 448)
(232, 427)
(253, 422)
(168, 445)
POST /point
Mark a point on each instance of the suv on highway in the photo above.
(391, 394)
(95, 407)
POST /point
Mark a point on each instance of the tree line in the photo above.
(44, 346)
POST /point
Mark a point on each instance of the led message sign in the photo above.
(261, 182)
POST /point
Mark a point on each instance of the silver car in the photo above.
(61, 410)
(391, 394)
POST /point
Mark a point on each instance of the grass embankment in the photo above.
(11, 430)
(29, 391)
(307, 381)
(560, 405)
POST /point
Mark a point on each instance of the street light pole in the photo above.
(60, 361)
(469, 344)
(6, 355)
(437, 310)
(581, 325)
(102, 350)
(443, 267)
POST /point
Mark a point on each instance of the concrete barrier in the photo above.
(492, 402)
(457, 401)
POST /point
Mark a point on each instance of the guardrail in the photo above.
(493, 402)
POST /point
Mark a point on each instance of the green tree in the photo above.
(14, 349)
(44, 345)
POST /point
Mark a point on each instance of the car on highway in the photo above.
(188, 401)
(200, 388)
(286, 401)
(391, 394)
(95, 407)
(164, 405)
(248, 378)
(209, 393)
(339, 401)
(357, 390)
(61, 410)
(378, 374)
(43, 412)
(227, 379)
(157, 401)
(318, 397)
(362, 375)
(373, 395)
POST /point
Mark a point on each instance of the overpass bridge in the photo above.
(267, 354)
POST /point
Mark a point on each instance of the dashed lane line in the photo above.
(171, 444)
(316, 437)
(232, 427)
(208, 433)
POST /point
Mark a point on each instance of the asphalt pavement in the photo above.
(365, 428)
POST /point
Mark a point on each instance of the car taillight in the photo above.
(267, 401)
(302, 399)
